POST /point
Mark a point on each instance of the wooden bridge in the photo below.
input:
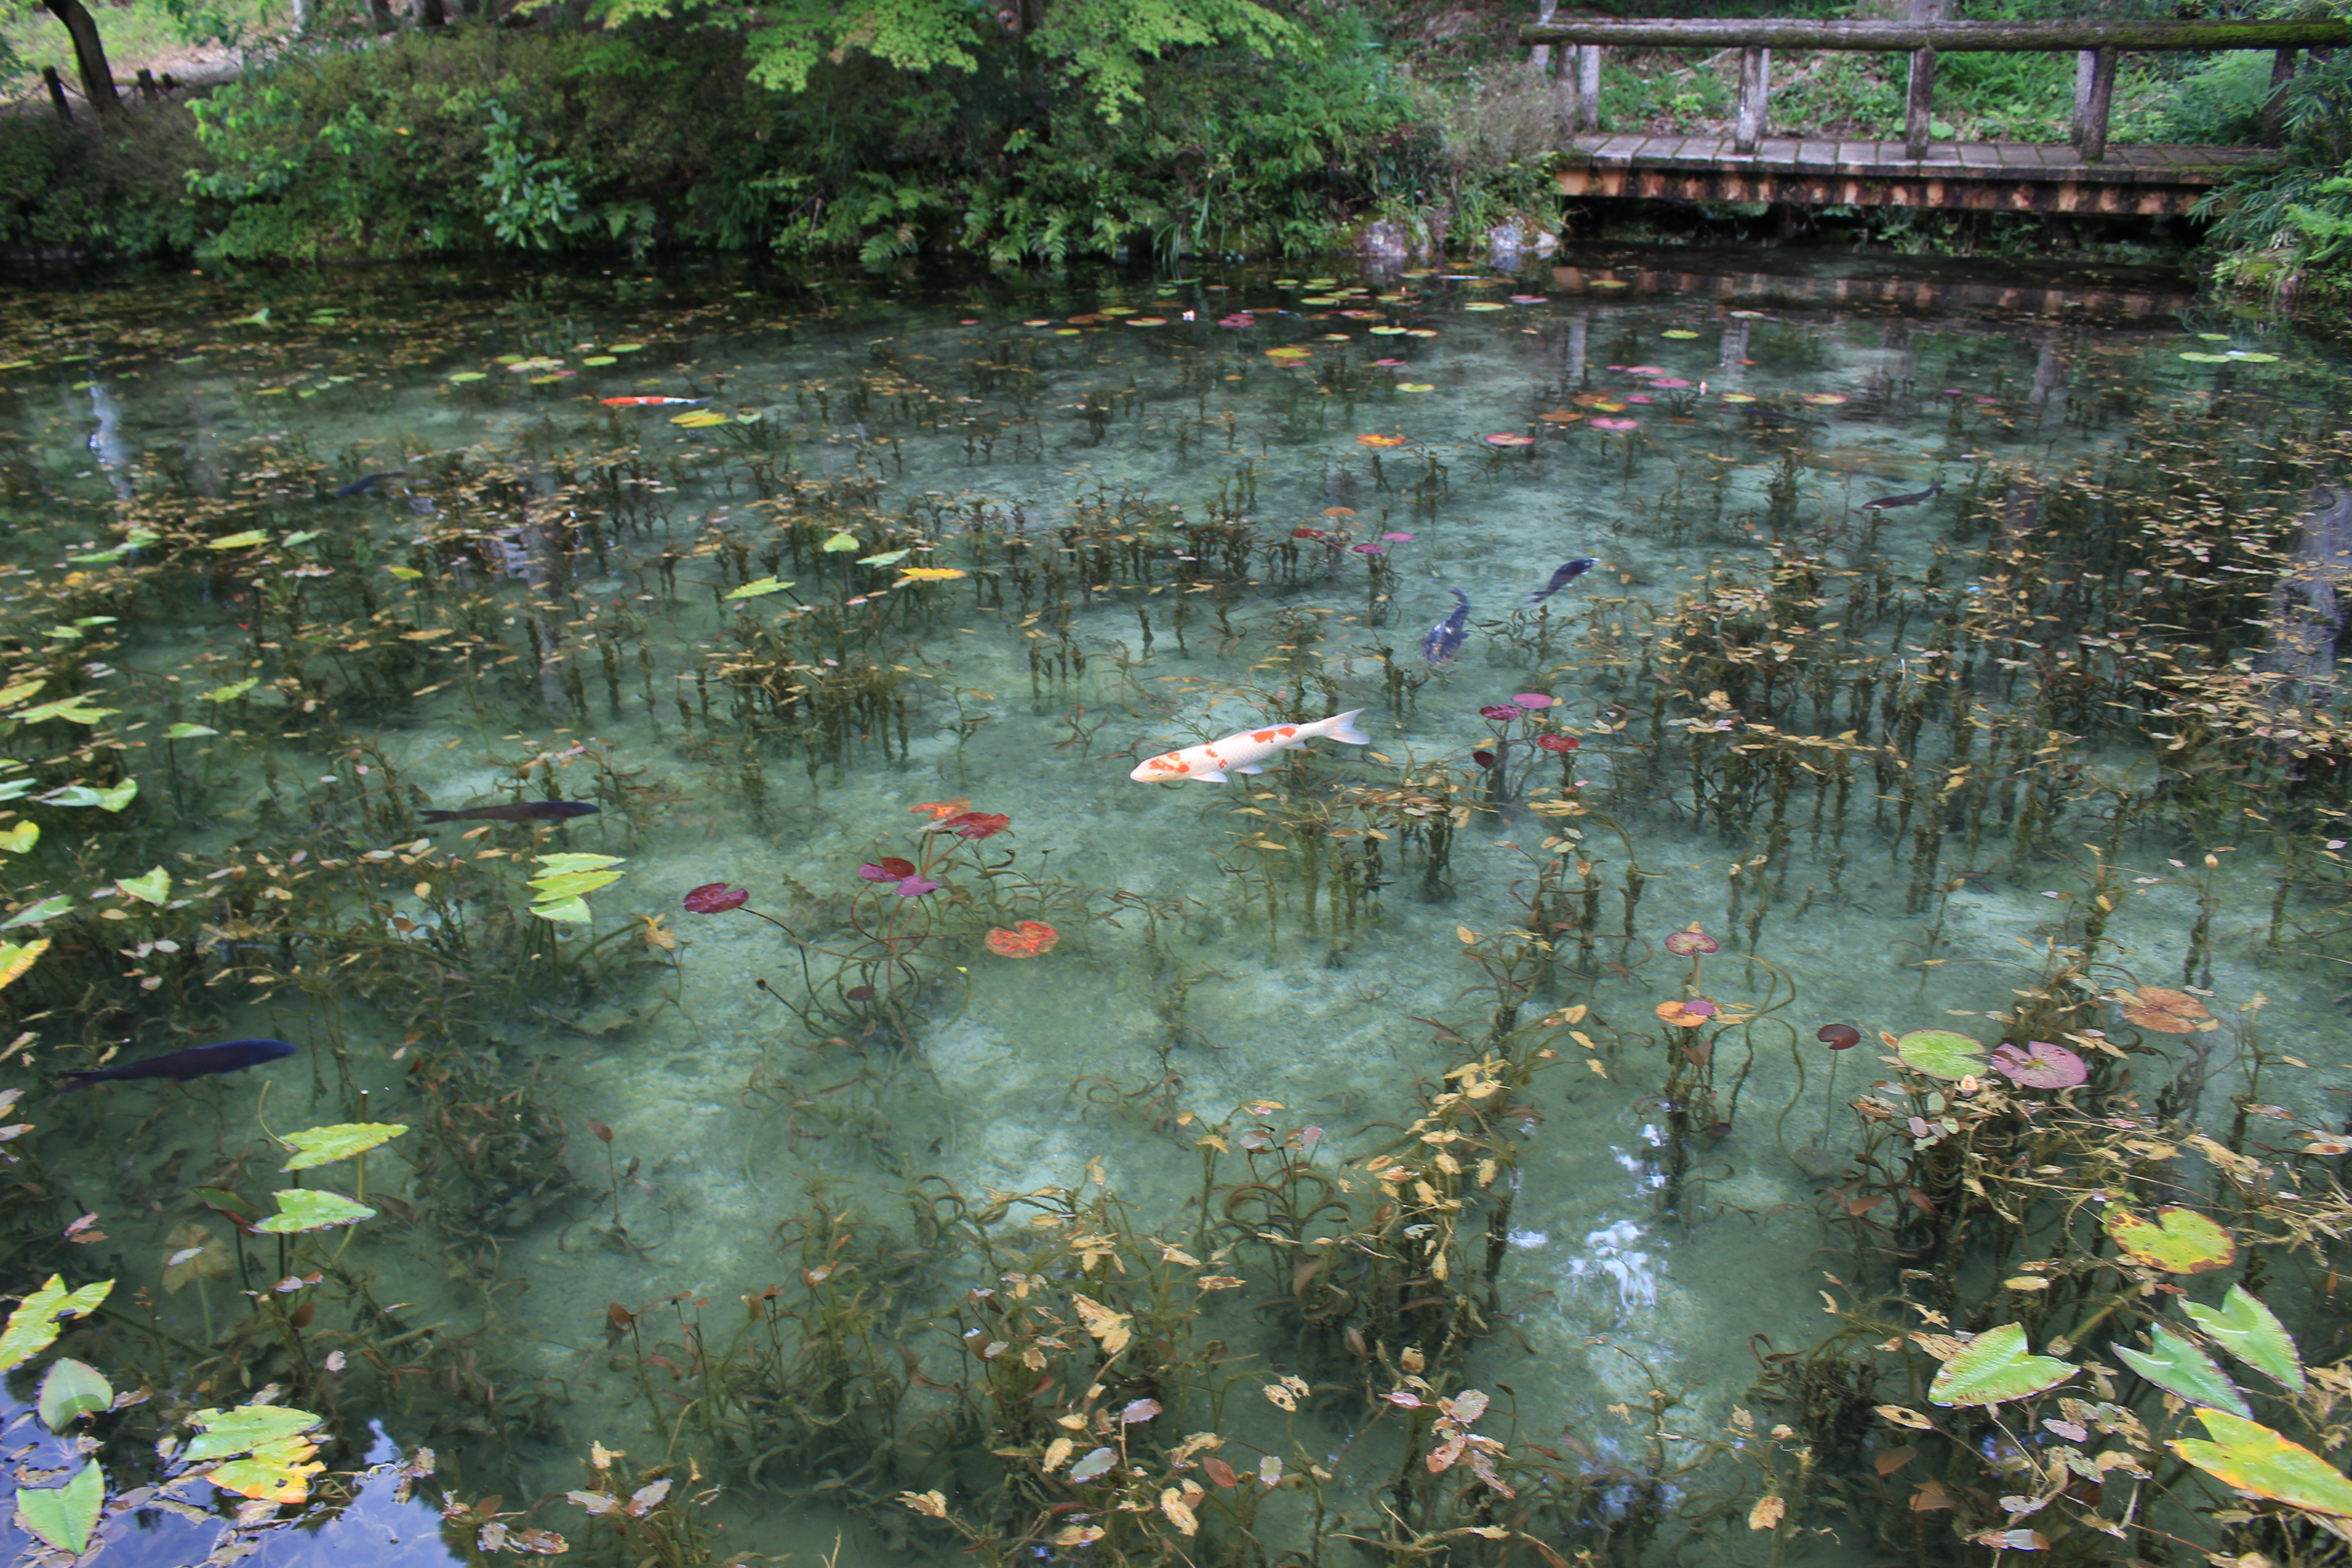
(2084, 176)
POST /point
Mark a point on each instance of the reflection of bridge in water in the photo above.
(1996, 303)
(2085, 175)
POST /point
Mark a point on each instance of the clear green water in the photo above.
(1192, 975)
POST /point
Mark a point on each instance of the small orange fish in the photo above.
(646, 402)
(1244, 752)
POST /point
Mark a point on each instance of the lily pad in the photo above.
(246, 540)
(839, 542)
(1941, 1052)
(14, 961)
(189, 732)
(2040, 1065)
(153, 887)
(64, 1516)
(233, 691)
(245, 1428)
(1996, 1366)
(301, 1210)
(36, 1323)
(2178, 1240)
(70, 1390)
(325, 1146)
(49, 908)
(759, 588)
(2252, 1332)
(2175, 1365)
(2252, 1458)
(1093, 1464)
(464, 376)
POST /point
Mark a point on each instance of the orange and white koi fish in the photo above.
(648, 401)
(1244, 752)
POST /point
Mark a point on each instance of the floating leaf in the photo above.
(196, 1254)
(241, 1430)
(2197, 356)
(64, 1516)
(20, 839)
(117, 797)
(48, 909)
(233, 691)
(153, 887)
(1678, 333)
(2252, 1458)
(245, 540)
(35, 1325)
(464, 376)
(276, 1472)
(325, 1146)
(71, 1390)
(14, 961)
(189, 732)
(1093, 1465)
(1941, 1053)
(2175, 1365)
(886, 558)
(2252, 1332)
(839, 542)
(72, 709)
(598, 360)
(301, 1210)
(2248, 356)
(759, 588)
(627, 348)
(1996, 1366)
(2179, 1240)
(700, 419)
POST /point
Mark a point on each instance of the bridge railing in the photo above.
(2096, 45)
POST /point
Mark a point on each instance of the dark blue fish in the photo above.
(366, 483)
(196, 1061)
(515, 810)
(1446, 637)
(1563, 577)
(1885, 503)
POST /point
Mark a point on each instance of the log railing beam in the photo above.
(1948, 37)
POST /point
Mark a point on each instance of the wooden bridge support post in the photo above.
(1920, 103)
(57, 94)
(1587, 87)
(1755, 99)
(2094, 91)
(2282, 64)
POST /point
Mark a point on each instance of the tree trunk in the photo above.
(58, 94)
(380, 16)
(90, 55)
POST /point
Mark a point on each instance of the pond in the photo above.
(705, 769)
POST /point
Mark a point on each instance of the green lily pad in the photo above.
(598, 360)
(233, 691)
(2175, 1365)
(2252, 1458)
(325, 1146)
(246, 540)
(70, 1390)
(248, 1426)
(2194, 356)
(48, 909)
(2179, 1240)
(301, 1210)
(629, 348)
(2248, 356)
(117, 797)
(64, 1516)
(72, 709)
(464, 375)
(35, 1325)
(886, 558)
(20, 839)
(839, 542)
(189, 732)
(1941, 1052)
(2252, 1332)
(1678, 333)
(155, 888)
(1996, 1366)
(759, 588)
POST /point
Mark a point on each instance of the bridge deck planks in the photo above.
(1816, 170)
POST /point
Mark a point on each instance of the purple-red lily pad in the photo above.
(2040, 1065)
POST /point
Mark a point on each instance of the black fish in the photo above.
(362, 485)
(1563, 577)
(196, 1061)
(1885, 503)
(519, 811)
(1446, 637)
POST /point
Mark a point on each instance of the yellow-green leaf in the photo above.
(301, 1210)
(245, 540)
(839, 542)
(2179, 1240)
(2252, 1458)
(759, 589)
(1941, 1053)
(1996, 1366)
(246, 1427)
(2252, 1332)
(33, 1327)
(70, 1390)
(20, 839)
(14, 961)
(153, 887)
(2175, 1365)
(64, 1516)
(233, 691)
(325, 1146)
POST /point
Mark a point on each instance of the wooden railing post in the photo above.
(2282, 64)
(1587, 87)
(2094, 91)
(1920, 103)
(1754, 99)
